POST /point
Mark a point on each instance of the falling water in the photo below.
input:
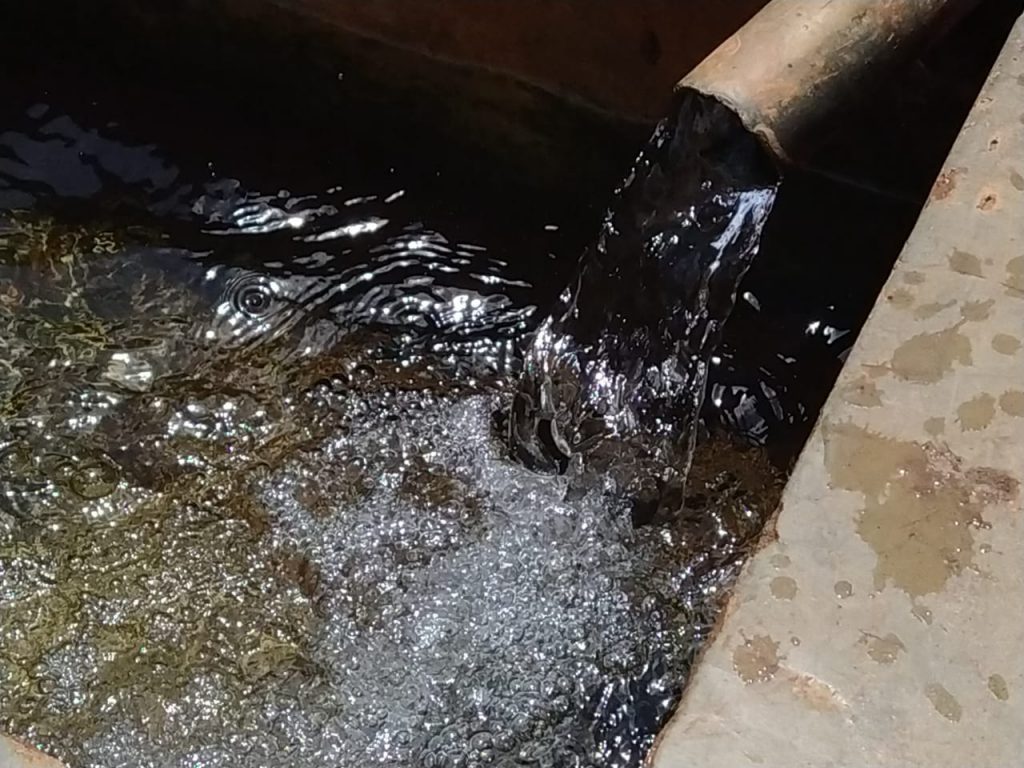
(615, 375)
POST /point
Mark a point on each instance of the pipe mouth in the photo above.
(789, 78)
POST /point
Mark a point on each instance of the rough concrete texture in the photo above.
(881, 623)
(14, 754)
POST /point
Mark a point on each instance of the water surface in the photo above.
(254, 509)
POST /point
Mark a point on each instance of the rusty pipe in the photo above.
(787, 68)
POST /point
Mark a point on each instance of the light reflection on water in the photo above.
(253, 510)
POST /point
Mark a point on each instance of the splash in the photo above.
(252, 508)
(615, 376)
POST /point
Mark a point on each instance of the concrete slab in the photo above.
(14, 754)
(881, 622)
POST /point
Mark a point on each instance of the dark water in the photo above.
(623, 359)
(253, 507)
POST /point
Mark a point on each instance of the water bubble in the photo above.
(95, 480)
(350, 575)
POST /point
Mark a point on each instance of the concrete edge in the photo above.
(880, 625)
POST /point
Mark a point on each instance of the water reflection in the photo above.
(311, 267)
(252, 511)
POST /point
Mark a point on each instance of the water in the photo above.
(616, 375)
(318, 257)
(253, 507)
(256, 506)
(385, 596)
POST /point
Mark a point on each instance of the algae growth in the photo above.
(243, 556)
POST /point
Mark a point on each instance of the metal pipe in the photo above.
(787, 68)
